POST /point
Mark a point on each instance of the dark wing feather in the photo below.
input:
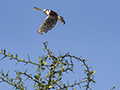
(62, 20)
(48, 24)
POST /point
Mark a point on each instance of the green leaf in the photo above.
(59, 79)
(39, 58)
(86, 86)
(113, 88)
(3, 74)
(3, 78)
(35, 86)
(22, 88)
(45, 63)
(7, 74)
(17, 77)
(4, 51)
(16, 56)
(44, 49)
(46, 76)
(55, 81)
(62, 68)
(40, 79)
(93, 81)
(12, 56)
(36, 77)
(21, 59)
(43, 68)
(43, 81)
(11, 80)
(9, 54)
(92, 72)
(50, 86)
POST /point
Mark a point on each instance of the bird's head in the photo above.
(46, 11)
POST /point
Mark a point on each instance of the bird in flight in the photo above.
(50, 21)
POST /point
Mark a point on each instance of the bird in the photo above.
(50, 21)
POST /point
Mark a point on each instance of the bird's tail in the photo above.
(40, 31)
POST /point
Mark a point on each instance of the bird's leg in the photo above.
(38, 9)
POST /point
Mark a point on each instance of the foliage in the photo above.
(113, 88)
(54, 71)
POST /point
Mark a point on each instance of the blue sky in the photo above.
(92, 30)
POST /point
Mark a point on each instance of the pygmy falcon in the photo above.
(50, 21)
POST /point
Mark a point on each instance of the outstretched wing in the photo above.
(48, 24)
(37, 9)
(61, 20)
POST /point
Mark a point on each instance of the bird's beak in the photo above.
(35, 8)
